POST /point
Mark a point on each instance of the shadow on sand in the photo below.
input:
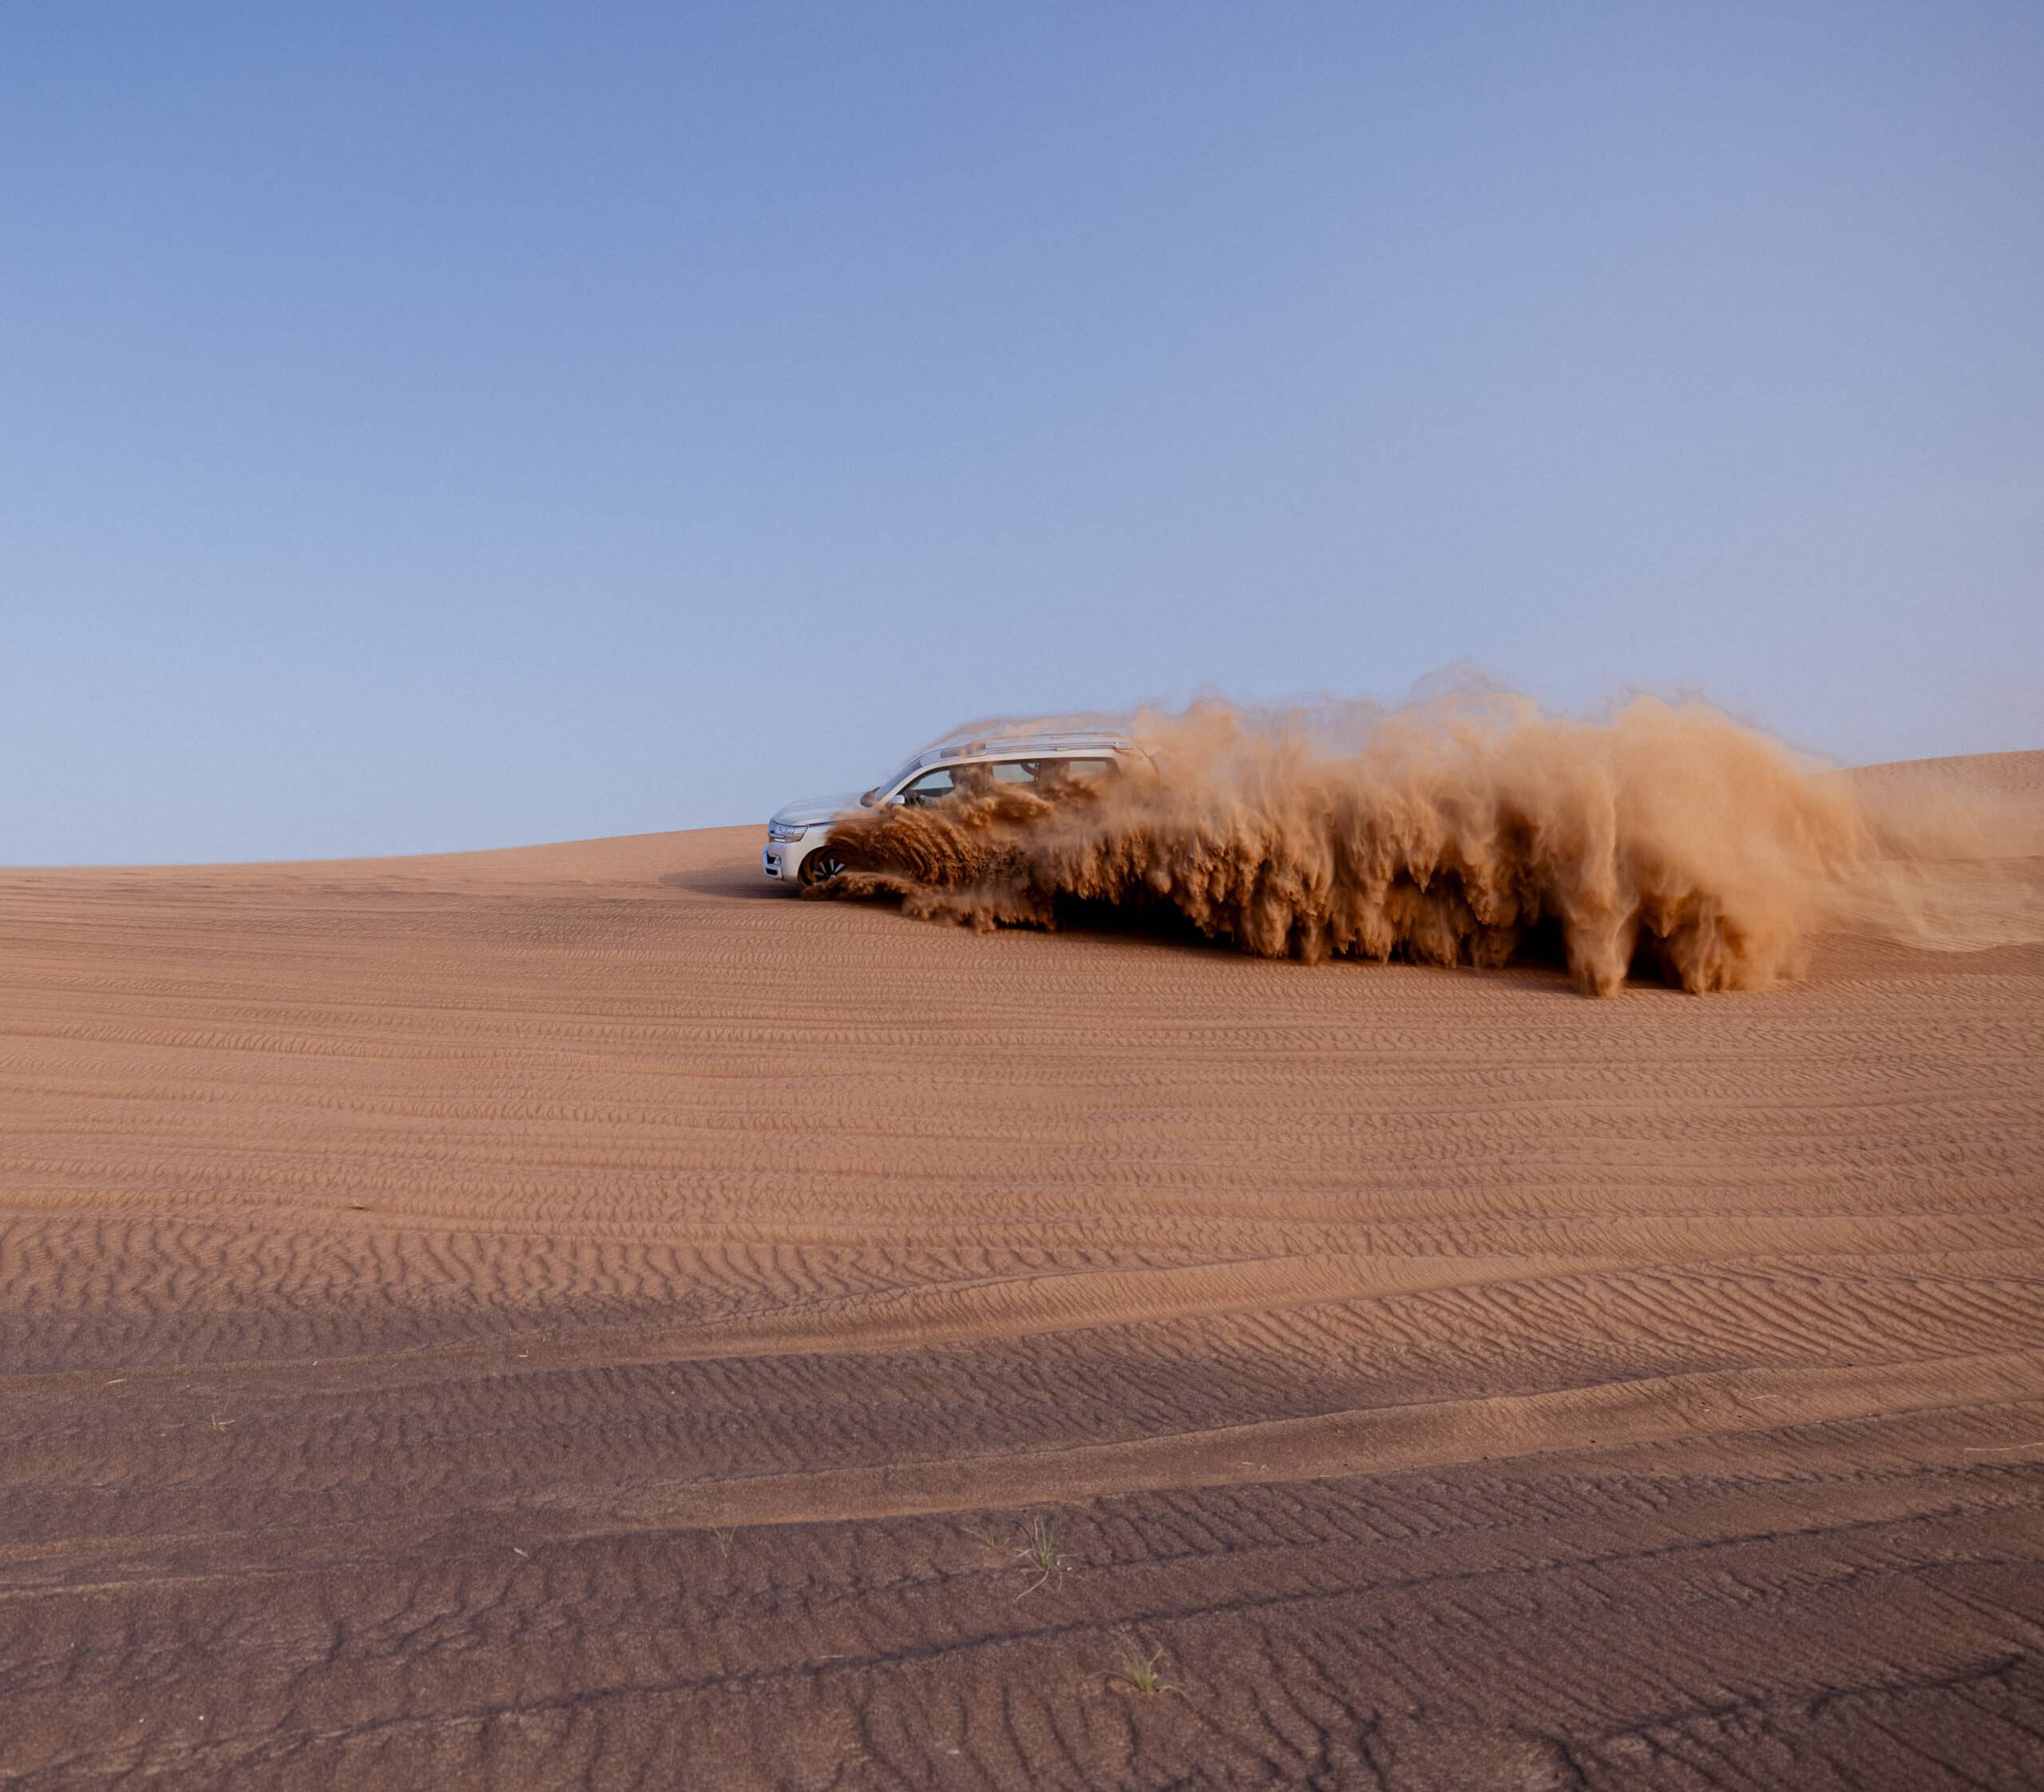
(1541, 963)
(737, 884)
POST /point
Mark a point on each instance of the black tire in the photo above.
(825, 863)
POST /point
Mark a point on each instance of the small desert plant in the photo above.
(1043, 1555)
(724, 1533)
(1139, 1665)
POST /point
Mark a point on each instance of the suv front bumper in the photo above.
(782, 859)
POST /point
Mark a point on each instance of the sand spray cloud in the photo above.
(1662, 838)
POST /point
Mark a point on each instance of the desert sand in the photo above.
(581, 1316)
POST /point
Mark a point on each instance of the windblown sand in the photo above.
(579, 1316)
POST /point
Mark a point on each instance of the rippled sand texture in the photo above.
(579, 1317)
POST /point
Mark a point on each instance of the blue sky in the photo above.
(431, 426)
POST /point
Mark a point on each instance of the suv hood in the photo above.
(811, 812)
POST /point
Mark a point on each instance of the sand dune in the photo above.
(577, 1315)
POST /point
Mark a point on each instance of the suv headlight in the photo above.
(785, 830)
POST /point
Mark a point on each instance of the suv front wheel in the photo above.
(825, 863)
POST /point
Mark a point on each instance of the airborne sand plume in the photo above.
(1665, 838)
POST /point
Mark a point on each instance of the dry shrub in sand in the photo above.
(1461, 832)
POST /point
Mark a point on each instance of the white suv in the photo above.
(794, 837)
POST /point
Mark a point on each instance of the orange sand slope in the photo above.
(578, 1316)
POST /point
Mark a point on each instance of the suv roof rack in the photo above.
(1061, 741)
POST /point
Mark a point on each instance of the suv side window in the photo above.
(1042, 775)
(927, 787)
(1062, 774)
